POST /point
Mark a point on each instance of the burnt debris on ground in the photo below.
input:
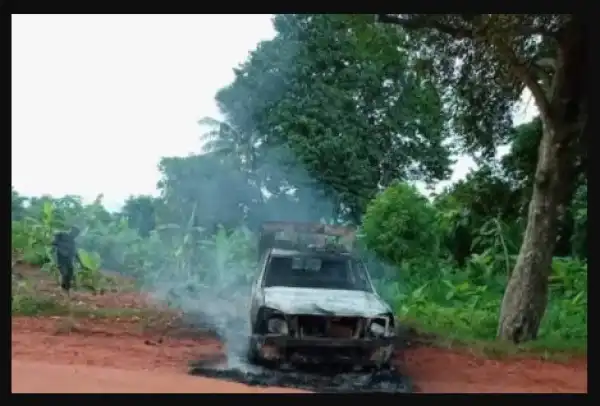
(328, 380)
(234, 367)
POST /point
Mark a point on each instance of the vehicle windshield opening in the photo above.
(315, 272)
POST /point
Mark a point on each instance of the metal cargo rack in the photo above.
(306, 237)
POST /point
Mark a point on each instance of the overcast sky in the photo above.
(97, 100)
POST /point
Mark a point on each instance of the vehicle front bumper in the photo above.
(353, 351)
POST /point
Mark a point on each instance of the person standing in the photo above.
(66, 254)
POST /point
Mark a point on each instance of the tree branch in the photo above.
(525, 75)
(424, 22)
(430, 21)
(544, 78)
(519, 69)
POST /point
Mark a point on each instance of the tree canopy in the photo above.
(334, 92)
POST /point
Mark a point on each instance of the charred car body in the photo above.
(313, 301)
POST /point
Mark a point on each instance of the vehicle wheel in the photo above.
(252, 354)
(254, 357)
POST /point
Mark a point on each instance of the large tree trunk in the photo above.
(526, 295)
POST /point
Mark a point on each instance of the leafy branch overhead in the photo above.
(488, 60)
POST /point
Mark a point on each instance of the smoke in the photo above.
(228, 192)
(210, 269)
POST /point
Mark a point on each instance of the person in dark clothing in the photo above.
(66, 254)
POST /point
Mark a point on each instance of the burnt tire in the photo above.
(252, 354)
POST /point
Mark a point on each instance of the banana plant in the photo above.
(89, 275)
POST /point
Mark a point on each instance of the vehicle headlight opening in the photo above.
(381, 327)
(377, 329)
(277, 325)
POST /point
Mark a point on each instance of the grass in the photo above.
(550, 348)
(31, 305)
(456, 309)
(35, 293)
(38, 296)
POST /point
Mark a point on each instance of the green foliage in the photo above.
(462, 302)
(329, 108)
(140, 212)
(17, 205)
(25, 302)
(483, 88)
(89, 276)
(400, 225)
(458, 306)
(32, 236)
(579, 241)
(196, 184)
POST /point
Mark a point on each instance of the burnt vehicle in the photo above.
(313, 301)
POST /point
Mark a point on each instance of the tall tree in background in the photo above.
(140, 212)
(17, 204)
(327, 110)
(486, 60)
(208, 188)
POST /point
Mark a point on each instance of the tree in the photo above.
(470, 203)
(67, 209)
(95, 214)
(325, 112)
(209, 189)
(488, 59)
(501, 190)
(579, 208)
(17, 205)
(399, 225)
(519, 166)
(140, 212)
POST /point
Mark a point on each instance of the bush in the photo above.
(400, 225)
(428, 288)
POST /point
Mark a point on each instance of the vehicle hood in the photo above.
(324, 301)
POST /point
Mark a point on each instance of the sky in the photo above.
(97, 100)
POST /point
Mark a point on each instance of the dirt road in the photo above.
(52, 378)
(116, 356)
(443, 371)
(109, 357)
